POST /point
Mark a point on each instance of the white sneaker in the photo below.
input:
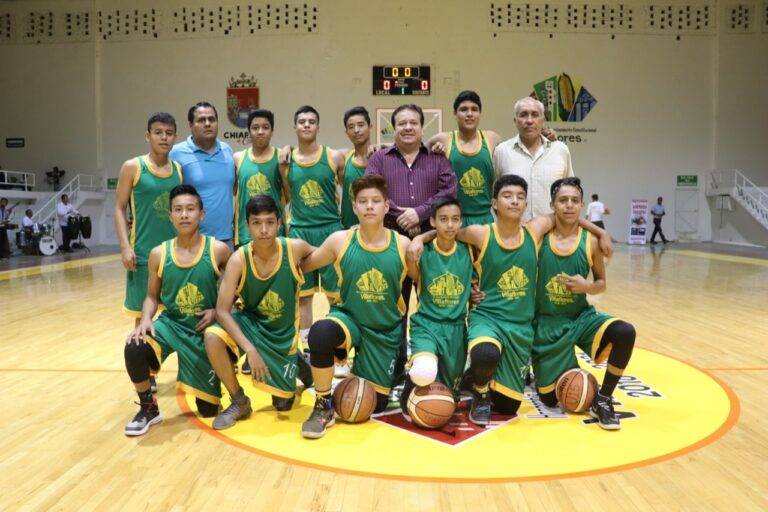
(341, 371)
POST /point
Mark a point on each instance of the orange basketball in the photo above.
(431, 406)
(575, 390)
(354, 399)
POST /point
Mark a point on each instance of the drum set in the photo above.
(36, 239)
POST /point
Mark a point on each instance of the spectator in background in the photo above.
(595, 212)
(658, 212)
(63, 211)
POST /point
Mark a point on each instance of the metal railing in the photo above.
(733, 182)
(17, 179)
(46, 214)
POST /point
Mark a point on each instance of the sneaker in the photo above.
(239, 409)
(152, 384)
(283, 404)
(305, 370)
(246, 368)
(320, 419)
(147, 416)
(602, 411)
(480, 412)
(341, 371)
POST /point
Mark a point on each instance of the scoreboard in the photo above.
(401, 81)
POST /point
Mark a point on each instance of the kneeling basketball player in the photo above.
(564, 318)
(264, 274)
(370, 264)
(183, 275)
(438, 328)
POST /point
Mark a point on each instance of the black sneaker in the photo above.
(480, 412)
(320, 419)
(602, 411)
(305, 370)
(152, 384)
(283, 404)
(246, 368)
(147, 416)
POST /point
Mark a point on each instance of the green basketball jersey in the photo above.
(150, 208)
(255, 177)
(474, 175)
(508, 277)
(272, 301)
(553, 298)
(370, 281)
(445, 280)
(352, 171)
(314, 200)
(188, 289)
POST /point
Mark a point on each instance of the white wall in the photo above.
(665, 106)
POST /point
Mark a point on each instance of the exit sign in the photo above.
(687, 180)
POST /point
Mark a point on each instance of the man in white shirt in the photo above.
(595, 212)
(658, 212)
(63, 211)
(533, 157)
(27, 221)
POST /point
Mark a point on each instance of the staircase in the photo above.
(734, 184)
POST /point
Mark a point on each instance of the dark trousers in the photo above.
(657, 229)
(5, 248)
(66, 238)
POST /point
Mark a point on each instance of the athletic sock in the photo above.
(609, 384)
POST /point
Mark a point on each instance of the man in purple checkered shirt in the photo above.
(415, 177)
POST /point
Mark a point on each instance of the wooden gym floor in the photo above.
(66, 399)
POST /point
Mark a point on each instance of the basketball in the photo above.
(431, 406)
(575, 390)
(354, 399)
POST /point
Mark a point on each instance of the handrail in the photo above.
(27, 179)
(734, 183)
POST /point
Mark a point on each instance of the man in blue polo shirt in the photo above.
(207, 164)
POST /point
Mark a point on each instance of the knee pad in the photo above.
(324, 337)
(505, 404)
(485, 359)
(381, 402)
(622, 336)
(138, 360)
(548, 399)
(423, 370)
(206, 409)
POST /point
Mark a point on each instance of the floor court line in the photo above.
(53, 267)
(720, 257)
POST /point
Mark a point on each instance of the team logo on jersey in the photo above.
(271, 306)
(446, 290)
(372, 287)
(161, 205)
(472, 183)
(242, 97)
(512, 283)
(189, 300)
(558, 293)
(258, 184)
(311, 193)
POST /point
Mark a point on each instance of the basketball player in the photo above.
(370, 262)
(257, 172)
(357, 123)
(438, 328)
(310, 180)
(264, 274)
(183, 275)
(470, 151)
(500, 328)
(564, 318)
(143, 186)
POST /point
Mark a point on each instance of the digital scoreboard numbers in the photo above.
(401, 81)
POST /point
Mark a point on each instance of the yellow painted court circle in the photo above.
(677, 408)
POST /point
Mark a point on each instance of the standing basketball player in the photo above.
(257, 172)
(310, 181)
(265, 275)
(564, 318)
(183, 275)
(370, 262)
(357, 123)
(438, 328)
(470, 151)
(144, 185)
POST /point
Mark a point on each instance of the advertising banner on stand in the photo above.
(638, 222)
